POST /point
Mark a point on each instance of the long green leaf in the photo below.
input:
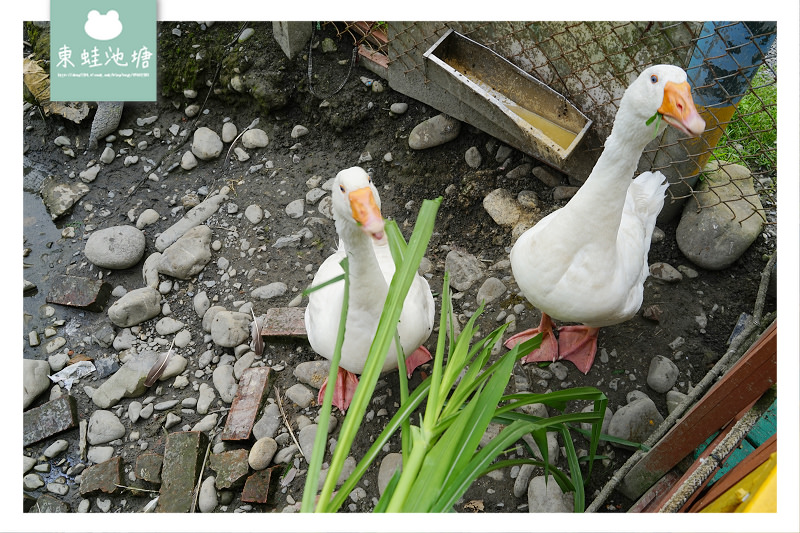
(402, 414)
(321, 437)
(460, 483)
(387, 325)
(579, 499)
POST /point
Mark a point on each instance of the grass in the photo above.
(751, 137)
(454, 406)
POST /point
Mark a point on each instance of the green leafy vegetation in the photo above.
(751, 137)
(454, 406)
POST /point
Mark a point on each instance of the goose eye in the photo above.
(341, 188)
(654, 78)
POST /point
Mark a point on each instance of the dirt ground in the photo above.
(355, 121)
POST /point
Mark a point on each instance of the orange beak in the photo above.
(679, 111)
(366, 212)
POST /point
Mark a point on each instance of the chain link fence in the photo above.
(731, 65)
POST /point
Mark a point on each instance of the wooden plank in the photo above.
(244, 409)
(742, 385)
(736, 474)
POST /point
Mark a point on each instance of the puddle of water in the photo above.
(49, 255)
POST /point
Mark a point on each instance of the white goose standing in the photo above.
(587, 261)
(356, 211)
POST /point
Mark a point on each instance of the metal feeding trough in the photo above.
(505, 101)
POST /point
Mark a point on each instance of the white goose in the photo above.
(587, 262)
(356, 211)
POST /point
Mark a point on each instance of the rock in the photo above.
(176, 365)
(60, 197)
(134, 409)
(389, 465)
(197, 215)
(261, 453)
(209, 315)
(313, 373)
(77, 291)
(273, 290)
(150, 270)
(502, 207)
(674, 399)
(268, 424)
(299, 131)
(723, 219)
(205, 398)
(465, 269)
(104, 427)
(296, 208)
(188, 161)
(35, 380)
(207, 423)
(55, 416)
(503, 153)
(563, 192)
(306, 438)
(635, 421)
(127, 382)
(32, 482)
(434, 132)
(192, 110)
(243, 363)
(547, 176)
(523, 479)
(207, 499)
(230, 328)
(58, 447)
(100, 454)
(545, 496)
(398, 108)
(254, 213)
(201, 303)
(188, 255)
(90, 174)
(348, 468)
(473, 157)
(300, 395)
(255, 138)
(662, 375)
(135, 307)
(491, 290)
(229, 132)
(147, 217)
(168, 326)
(206, 144)
(224, 382)
(665, 272)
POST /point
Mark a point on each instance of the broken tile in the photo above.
(104, 477)
(148, 467)
(48, 419)
(183, 459)
(284, 322)
(256, 488)
(49, 504)
(244, 409)
(230, 466)
(84, 293)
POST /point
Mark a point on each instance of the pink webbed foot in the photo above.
(547, 350)
(579, 345)
(419, 356)
(345, 387)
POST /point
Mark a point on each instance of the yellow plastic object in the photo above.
(755, 493)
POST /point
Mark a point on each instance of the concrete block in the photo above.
(103, 477)
(292, 36)
(48, 419)
(183, 458)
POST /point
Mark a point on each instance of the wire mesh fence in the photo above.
(732, 67)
